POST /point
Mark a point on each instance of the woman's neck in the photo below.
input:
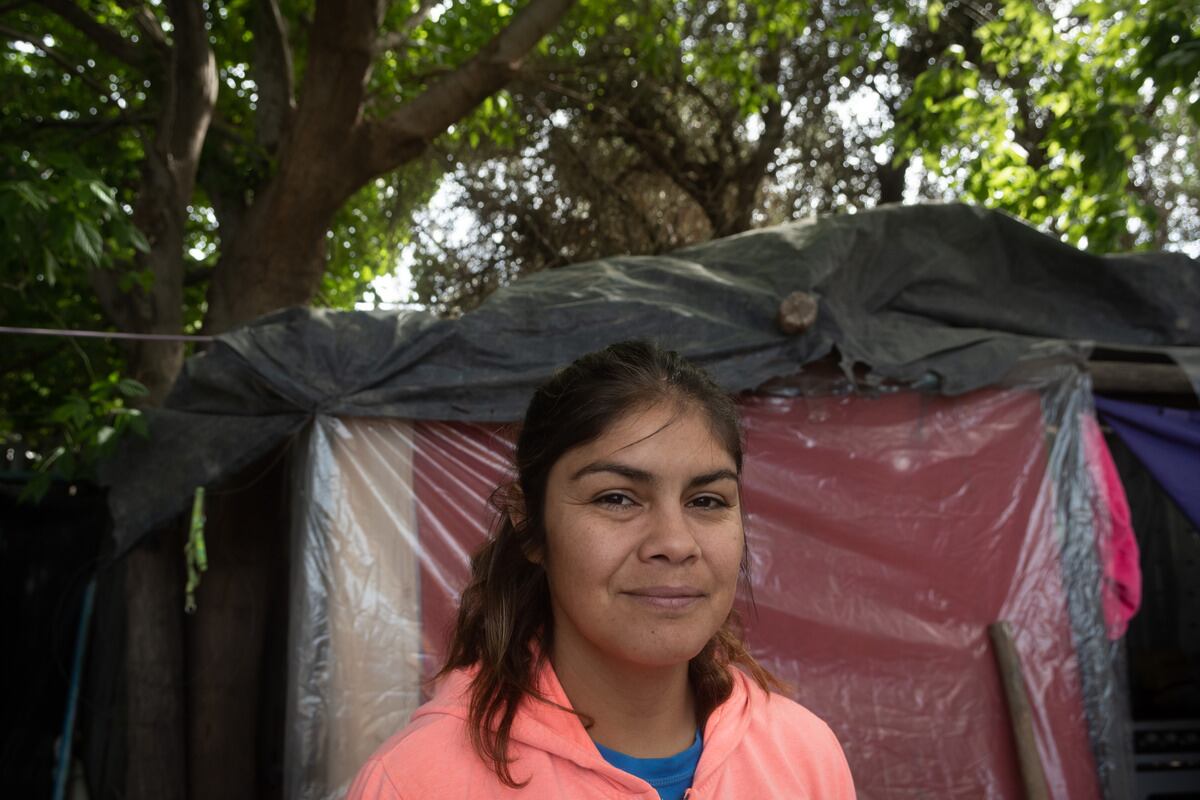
(642, 712)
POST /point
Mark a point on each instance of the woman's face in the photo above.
(643, 539)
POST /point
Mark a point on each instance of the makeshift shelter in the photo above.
(936, 484)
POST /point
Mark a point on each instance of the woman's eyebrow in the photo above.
(713, 477)
(624, 470)
(642, 476)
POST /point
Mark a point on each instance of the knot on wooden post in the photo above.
(797, 312)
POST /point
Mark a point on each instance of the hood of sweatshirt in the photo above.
(545, 726)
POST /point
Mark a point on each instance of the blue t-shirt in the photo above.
(671, 776)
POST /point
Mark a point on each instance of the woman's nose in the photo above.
(669, 537)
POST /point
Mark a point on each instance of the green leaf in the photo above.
(73, 412)
(933, 14)
(138, 240)
(104, 193)
(87, 239)
(51, 267)
(131, 388)
(104, 434)
(1093, 11)
(32, 197)
(1059, 103)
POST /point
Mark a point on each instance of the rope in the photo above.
(145, 337)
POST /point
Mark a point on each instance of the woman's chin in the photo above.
(661, 652)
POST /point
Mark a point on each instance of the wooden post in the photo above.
(1128, 377)
(1020, 715)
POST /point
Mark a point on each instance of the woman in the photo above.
(595, 653)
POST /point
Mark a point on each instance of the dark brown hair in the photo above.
(505, 608)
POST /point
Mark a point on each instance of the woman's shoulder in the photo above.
(411, 764)
(786, 721)
(789, 719)
(770, 744)
(430, 733)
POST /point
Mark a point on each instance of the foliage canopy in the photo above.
(628, 127)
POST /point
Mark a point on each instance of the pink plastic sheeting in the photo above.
(1114, 532)
(885, 535)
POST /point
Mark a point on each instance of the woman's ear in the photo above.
(514, 505)
(517, 517)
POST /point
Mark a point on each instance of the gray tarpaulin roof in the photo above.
(948, 297)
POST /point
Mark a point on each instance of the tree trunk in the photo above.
(156, 763)
(247, 534)
(277, 258)
(891, 182)
(155, 365)
(160, 212)
(156, 766)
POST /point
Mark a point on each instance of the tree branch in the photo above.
(387, 143)
(625, 129)
(168, 178)
(754, 168)
(90, 127)
(225, 180)
(272, 68)
(724, 118)
(340, 49)
(192, 95)
(107, 39)
(73, 69)
(113, 300)
(147, 23)
(617, 188)
(398, 39)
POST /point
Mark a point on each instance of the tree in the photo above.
(232, 135)
(649, 131)
(376, 85)
(678, 122)
(653, 135)
(1071, 117)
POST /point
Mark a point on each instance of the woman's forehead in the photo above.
(664, 437)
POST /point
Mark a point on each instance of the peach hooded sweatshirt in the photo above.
(755, 746)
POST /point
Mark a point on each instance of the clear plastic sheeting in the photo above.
(355, 631)
(886, 533)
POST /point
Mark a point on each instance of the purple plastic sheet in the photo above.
(1167, 441)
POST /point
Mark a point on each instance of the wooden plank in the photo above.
(1131, 377)
(1033, 775)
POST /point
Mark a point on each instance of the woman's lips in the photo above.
(667, 597)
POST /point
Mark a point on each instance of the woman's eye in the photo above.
(614, 500)
(708, 501)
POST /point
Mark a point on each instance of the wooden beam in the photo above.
(1108, 377)
(1131, 377)
(1020, 714)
